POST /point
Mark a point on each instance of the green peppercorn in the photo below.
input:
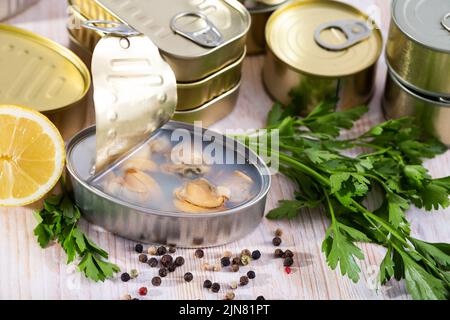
(139, 248)
(172, 267)
(156, 281)
(236, 260)
(243, 280)
(163, 272)
(251, 274)
(161, 251)
(125, 277)
(215, 287)
(166, 260)
(288, 262)
(235, 268)
(179, 261)
(134, 273)
(188, 277)
(152, 262)
(225, 261)
(260, 298)
(230, 295)
(233, 285)
(256, 255)
(199, 253)
(276, 241)
(245, 260)
(172, 249)
(143, 258)
(207, 284)
(278, 253)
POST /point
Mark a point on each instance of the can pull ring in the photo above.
(446, 22)
(209, 36)
(111, 28)
(354, 31)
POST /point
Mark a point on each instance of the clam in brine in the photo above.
(321, 49)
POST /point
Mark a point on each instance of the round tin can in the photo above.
(140, 223)
(319, 49)
(9, 8)
(431, 113)
(196, 38)
(43, 75)
(418, 48)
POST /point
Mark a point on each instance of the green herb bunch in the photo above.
(313, 156)
(57, 221)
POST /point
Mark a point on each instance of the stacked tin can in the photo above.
(418, 57)
(208, 74)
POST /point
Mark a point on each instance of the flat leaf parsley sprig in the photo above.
(312, 155)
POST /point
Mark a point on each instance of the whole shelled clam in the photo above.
(186, 162)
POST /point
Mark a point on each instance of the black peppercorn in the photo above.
(276, 241)
(156, 281)
(225, 261)
(199, 253)
(188, 277)
(260, 298)
(236, 260)
(166, 260)
(215, 287)
(172, 267)
(207, 284)
(288, 262)
(152, 262)
(172, 249)
(251, 274)
(256, 255)
(143, 258)
(139, 248)
(125, 277)
(235, 268)
(243, 280)
(288, 253)
(179, 261)
(161, 251)
(278, 253)
(163, 272)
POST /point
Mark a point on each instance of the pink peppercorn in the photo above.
(143, 291)
(288, 270)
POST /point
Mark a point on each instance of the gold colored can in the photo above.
(212, 111)
(190, 95)
(196, 38)
(45, 76)
(319, 49)
(9, 8)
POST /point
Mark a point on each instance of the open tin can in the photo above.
(418, 48)
(320, 49)
(9, 8)
(45, 76)
(167, 213)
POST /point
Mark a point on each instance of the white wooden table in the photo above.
(28, 272)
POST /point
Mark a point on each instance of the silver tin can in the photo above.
(418, 48)
(152, 226)
(431, 113)
(9, 8)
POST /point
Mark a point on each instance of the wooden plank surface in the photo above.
(28, 272)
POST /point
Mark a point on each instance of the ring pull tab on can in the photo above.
(208, 36)
(354, 31)
(111, 28)
(446, 22)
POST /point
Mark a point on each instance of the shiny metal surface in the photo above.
(418, 48)
(9, 8)
(312, 71)
(144, 225)
(431, 113)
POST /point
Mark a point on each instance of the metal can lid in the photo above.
(424, 21)
(323, 38)
(262, 6)
(39, 73)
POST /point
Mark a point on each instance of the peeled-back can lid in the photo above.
(425, 21)
(323, 38)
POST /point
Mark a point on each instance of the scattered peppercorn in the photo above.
(188, 277)
(276, 241)
(152, 251)
(215, 287)
(288, 262)
(139, 248)
(172, 249)
(207, 284)
(246, 252)
(227, 254)
(278, 253)
(166, 260)
(206, 266)
(134, 273)
(234, 285)
(126, 297)
(235, 268)
(288, 253)
(143, 258)
(225, 261)
(245, 260)
(172, 267)
(256, 255)
(217, 267)
(260, 298)
(278, 232)
(156, 281)
(143, 291)
(163, 272)
(243, 280)
(179, 261)
(152, 262)
(236, 260)
(199, 253)
(230, 295)
(288, 270)
(134, 299)
(161, 251)
(125, 277)
(251, 274)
